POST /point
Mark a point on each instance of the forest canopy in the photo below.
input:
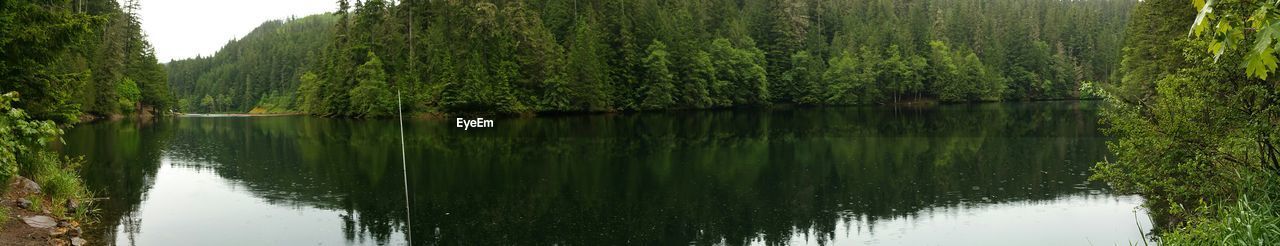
(68, 58)
(260, 69)
(575, 56)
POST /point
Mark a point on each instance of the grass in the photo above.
(273, 104)
(1253, 218)
(59, 182)
(4, 214)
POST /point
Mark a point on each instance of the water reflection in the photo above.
(800, 176)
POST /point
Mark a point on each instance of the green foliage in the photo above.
(659, 87)
(129, 94)
(900, 75)
(1194, 136)
(850, 80)
(588, 78)
(309, 92)
(553, 56)
(1176, 147)
(24, 150)
(119, 51)
(33, 36)
(371, 98)
(67, 58)
(1252, 219)
(269, 61)
(21, 137)
(1253, 26)
(1157, 29)
(275, 102)
(699, 81)
(57, 179)
(959, 76)
(1092, 90)
(806, 76)
(208, 102)
(740, 78)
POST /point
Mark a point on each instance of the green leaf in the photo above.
(1216, 48)
(1261, 63)
(1264, 38)
(1200, 24)
(1259, 17)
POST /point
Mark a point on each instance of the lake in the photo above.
(978, 174)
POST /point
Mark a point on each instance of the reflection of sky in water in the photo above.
(189, 206)
(1090, 219)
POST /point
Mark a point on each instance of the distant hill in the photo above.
(259, 70)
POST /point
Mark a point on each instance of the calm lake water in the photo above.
(988, 174)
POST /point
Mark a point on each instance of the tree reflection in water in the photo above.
(704, 177)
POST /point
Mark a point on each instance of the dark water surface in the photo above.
(989, 174)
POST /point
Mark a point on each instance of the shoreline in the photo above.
(437, 115)
(27, 226)
(238, 115)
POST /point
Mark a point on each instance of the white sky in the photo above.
(185, 28)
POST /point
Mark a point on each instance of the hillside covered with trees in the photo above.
(260, 69)
(573, 56)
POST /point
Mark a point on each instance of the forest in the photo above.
(631, 55)
(67, 59)
(261, 69)
(63, 62)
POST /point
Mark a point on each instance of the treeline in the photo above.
(68, 58)
(259, 70)
(548, 56)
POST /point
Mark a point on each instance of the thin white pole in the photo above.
(408, 217)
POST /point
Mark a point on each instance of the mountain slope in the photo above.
(261, 69)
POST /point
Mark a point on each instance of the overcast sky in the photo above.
(185, 28)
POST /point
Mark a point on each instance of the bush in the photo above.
(1253, 219)
(23, 150)
(129, 95)
(20, 136)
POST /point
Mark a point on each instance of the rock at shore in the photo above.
(40, 221)
(77, 241)
(26, 186)
(23, 203)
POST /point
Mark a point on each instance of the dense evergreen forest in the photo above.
(557, 56)
(68, 58)
(260, 69)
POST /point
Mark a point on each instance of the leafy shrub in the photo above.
(20, 136)
(23, 150)
(1253, 219)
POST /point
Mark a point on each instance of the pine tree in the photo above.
(659, 87)
(370, 98)
(589, 73)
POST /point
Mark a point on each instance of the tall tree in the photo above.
(659, 91)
